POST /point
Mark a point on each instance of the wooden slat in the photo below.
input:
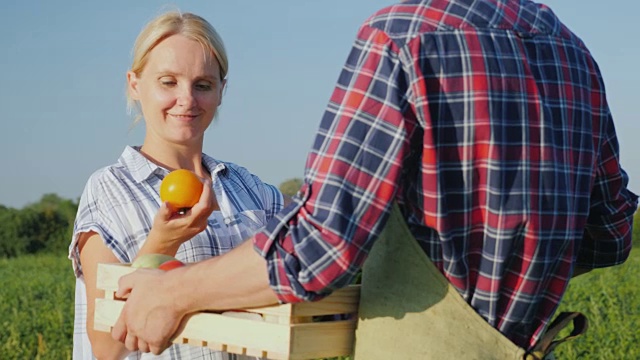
(257, 353)
(216, 346)
(342, 301)
(240, 350)
(321, 340)
(194, 342)
(109, 274)
(215, 328)
(101, 327)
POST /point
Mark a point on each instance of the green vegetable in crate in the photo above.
(154, 261)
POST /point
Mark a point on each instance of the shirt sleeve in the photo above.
(263, 196)
(272, 198)
(607, 237)
(94, 215)
(319, 242)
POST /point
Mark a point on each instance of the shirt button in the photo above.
(227, 221)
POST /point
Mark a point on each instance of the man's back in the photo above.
(515, 132)
(487, 122)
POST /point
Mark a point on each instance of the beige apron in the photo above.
(408, 309)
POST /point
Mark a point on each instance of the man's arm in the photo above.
(607, 236)
(240, 281)
(158, 302)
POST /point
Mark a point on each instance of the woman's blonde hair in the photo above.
(173, 23)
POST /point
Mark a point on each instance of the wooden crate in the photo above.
(290, 331)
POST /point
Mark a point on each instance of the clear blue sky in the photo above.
(63, 70)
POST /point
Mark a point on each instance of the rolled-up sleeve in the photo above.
(319, 242)
(607, 239)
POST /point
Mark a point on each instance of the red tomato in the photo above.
(171, 264)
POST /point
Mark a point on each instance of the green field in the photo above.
(36, 309)
(610, 298)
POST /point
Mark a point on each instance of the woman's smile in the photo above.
(183, 117)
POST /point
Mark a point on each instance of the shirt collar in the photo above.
(141, 168)
(214, 166)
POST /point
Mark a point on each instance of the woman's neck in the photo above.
(173, 157)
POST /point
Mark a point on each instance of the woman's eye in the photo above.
(203, 87)
(168, 82)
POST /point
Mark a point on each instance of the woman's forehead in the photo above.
(180, 54)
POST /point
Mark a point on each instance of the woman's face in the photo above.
(179, 91)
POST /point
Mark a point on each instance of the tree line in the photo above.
(47, 225)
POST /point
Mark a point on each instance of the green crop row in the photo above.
(610, 298)
(36, 310)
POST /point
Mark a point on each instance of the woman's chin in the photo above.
(195, 140)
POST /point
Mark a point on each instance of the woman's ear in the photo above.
(132, 85)
(223, 87)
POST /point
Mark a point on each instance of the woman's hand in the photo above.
(171, 227)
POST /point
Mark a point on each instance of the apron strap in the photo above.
(546, 344)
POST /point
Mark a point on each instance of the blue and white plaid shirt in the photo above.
(119, 203)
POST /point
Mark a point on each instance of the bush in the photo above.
(291, 186)
(44, 226)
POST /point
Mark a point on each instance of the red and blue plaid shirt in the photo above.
(487, 122)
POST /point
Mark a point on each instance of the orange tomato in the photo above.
(181, 188)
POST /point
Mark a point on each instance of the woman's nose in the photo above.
(185, 96)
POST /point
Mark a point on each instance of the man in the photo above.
(487, 122)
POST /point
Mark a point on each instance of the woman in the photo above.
(176, 81)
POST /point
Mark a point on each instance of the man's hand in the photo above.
(150, 318)
(154, 312)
